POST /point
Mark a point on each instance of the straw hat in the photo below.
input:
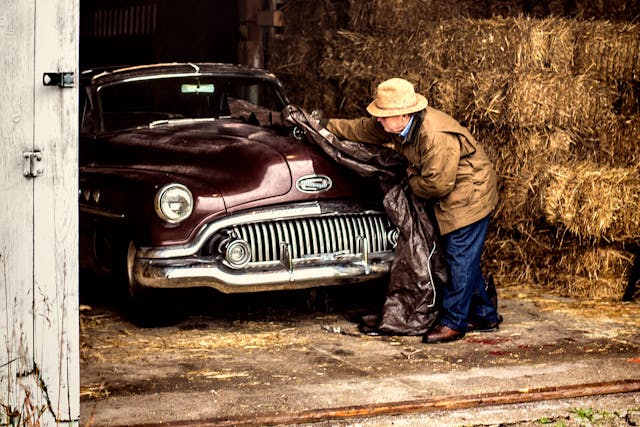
(396, 97)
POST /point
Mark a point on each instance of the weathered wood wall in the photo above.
(39, 339)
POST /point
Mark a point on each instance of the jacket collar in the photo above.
(414, 129)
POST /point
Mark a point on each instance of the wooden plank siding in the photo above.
(16, 205)
(39, 351)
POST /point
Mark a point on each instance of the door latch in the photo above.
(32, 164)
(65, 79)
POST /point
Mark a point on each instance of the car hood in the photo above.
(241, 162)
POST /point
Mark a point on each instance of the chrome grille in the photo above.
(315, 236)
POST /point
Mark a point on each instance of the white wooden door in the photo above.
(39, 337)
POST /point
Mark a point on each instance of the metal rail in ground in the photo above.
(417, 406)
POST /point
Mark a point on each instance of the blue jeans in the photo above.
(464, 295)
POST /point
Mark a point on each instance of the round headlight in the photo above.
(237, 253)
(174, 203)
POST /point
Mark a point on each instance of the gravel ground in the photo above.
(576, 417)
(252, 356)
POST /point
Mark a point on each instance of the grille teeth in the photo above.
(316, 236)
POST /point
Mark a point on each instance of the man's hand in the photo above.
(411, 171)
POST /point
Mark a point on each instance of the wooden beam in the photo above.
(250, 49)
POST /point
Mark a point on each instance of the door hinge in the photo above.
(32, 163)
(64, 79)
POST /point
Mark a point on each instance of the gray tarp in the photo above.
(418, 271)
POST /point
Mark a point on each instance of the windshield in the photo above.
(138, 102)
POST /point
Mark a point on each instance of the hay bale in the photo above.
(354, 95)
(487, 99)
(473, 98)
(593, 202)
(347, 55)
(547, 45)
(460, 44)
(609, 50)
(479, 45)
(476, 45)
(295, 62)
(537, 258)
(351, 55)
(536, 9)
(291, 55)
(618, 141)
(540, 94)
(593, 273)
(521, 162)
(614, 10)
(449, 92)
(628, 103)
(532, 192)
(309, 18)
(392, 16)
(521, 99)
(478, 89)
(383, 16)
(360, 16)
(551, 99)
(517, 257)
(358, 63)
(470, 96)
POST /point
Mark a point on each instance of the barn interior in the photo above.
(551, 89)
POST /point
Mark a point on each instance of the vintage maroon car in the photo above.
(183, 184)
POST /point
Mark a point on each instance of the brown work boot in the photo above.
(441, 333)
(484, 326)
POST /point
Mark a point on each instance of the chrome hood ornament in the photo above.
(314, 183)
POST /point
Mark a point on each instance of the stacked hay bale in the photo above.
(554, 99)
(295, 55)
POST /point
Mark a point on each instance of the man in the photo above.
(451, 170)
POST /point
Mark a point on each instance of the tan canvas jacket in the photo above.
(454, 169)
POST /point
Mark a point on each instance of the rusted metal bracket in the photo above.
(60, 79)
(32, 163)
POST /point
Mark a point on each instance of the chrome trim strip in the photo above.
(299, 274)
(191, 248)
(151, 77)
(100, 212)
(309, 238)
(164, 122)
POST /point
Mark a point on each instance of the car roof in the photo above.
(108, 74)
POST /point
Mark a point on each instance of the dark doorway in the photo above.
(124, 32)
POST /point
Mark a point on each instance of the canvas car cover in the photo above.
(418, 271)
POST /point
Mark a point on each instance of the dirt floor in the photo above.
(293, 357)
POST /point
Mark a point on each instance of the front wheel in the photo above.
(147, 306)
(135, 291)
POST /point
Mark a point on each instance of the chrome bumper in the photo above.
(183, 266)
(176, 273)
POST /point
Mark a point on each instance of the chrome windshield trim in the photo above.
(151, 77)
(165, 122)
